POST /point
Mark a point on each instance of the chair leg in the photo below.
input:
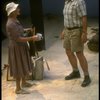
(7, 66)
(47, 64)
(7, 76)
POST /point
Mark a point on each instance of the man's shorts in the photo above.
(72, 40)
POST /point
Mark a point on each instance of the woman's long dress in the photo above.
(19, 58)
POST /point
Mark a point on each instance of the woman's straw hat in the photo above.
(10, 7)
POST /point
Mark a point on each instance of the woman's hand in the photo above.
(35, 38)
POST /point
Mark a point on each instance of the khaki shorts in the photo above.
(72, 40)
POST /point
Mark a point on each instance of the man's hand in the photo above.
(84, 37)
(62, 35)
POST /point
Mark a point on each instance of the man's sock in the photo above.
(75, 69)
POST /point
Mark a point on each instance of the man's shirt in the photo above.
(73, 12)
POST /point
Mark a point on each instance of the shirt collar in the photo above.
(69, 1)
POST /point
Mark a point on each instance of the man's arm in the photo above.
(84, 29)
(84, 24)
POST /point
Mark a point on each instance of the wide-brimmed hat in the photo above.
(10, 7)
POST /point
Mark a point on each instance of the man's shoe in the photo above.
(73, 75)
(86, 81)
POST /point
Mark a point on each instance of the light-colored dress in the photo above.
(19, 58)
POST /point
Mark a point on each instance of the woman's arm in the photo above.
(25, 39)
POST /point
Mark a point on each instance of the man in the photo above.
(75, 35)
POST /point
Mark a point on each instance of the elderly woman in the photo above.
(18, 52)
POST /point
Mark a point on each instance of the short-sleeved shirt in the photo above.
(73, 12)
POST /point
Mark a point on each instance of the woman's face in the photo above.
(17, 11)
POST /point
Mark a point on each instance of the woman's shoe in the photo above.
(26, 84)
(21, 91)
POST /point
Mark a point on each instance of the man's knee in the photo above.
(79, 54)
(69, 52)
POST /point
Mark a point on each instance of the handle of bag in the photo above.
(37, 54)
(47, 64)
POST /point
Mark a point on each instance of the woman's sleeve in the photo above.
(13, 31)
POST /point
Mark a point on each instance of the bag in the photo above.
(38, 71)
(93, 43)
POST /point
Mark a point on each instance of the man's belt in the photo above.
(72, 28)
